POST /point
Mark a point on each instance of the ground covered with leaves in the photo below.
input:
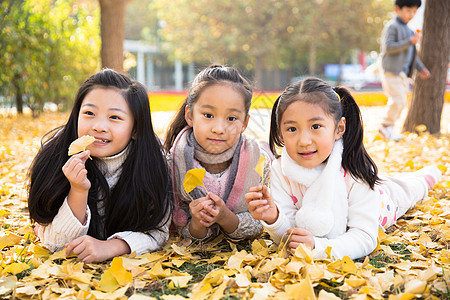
(412, 259)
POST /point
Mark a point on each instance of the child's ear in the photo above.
(244, 126)
(340, 129)
(188, 115)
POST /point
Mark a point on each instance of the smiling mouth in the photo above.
(101, 141)
(307, 154)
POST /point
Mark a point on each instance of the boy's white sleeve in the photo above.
(360, 239)
(64, 228)
(141, 243)
(279, 189)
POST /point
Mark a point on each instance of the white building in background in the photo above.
(145, 67)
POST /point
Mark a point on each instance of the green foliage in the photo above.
(270, 34)
(141, 21)
(47, 49)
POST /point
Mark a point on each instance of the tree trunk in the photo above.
(341, 73)
(291, 71)
(18, 93)
(428, 95)
(112, 33)
(276, 79)
(258, 77)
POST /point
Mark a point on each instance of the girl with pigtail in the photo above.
(324, 187)
(208, 133)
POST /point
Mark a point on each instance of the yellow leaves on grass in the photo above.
(80, 144)
(193, 179)
(412, 260)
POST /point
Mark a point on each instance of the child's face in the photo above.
(217, 118)
(105, 115)
(405, 13)
(309, 133)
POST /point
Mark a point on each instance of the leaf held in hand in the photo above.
(80, 144)
(260, 166)
(193, 179)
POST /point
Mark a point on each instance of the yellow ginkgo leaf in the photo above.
(410, 164)
(108, 282)
(80, 276)
(179, 281)
(193, 179)
(260, 166)
(5, 241)
(304, 288)
(348, 266)
(80, 144)
(7, 284)
(15, 268)
(122, 275)
(421, 128)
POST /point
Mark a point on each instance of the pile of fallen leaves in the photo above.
(412, 259)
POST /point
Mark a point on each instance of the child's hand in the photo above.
(415, 38)
(219, 213)
(215, 213)
(261, 205)
(198, 212)
(300, 236)
(75, 171)
(91, 250)
(425, 74)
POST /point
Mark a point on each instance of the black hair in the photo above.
(212, 75)
(140, 199)
(408, 3)
(337, 102)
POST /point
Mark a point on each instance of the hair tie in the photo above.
(339, 97)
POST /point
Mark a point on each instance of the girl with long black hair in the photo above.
(115, 203)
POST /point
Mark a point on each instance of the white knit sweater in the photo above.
(66, 227)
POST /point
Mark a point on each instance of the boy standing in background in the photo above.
(399, 59)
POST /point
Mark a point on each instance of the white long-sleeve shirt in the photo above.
(65, 227)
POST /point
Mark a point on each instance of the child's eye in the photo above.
(115, 118)
(316, 126)
(209, 116)
(89, 113)
(292, 129)
(232, 119)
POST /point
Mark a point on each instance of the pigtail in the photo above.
(178, 123)
(355, 158)
(274, 135)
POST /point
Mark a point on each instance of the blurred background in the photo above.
(49, 47)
